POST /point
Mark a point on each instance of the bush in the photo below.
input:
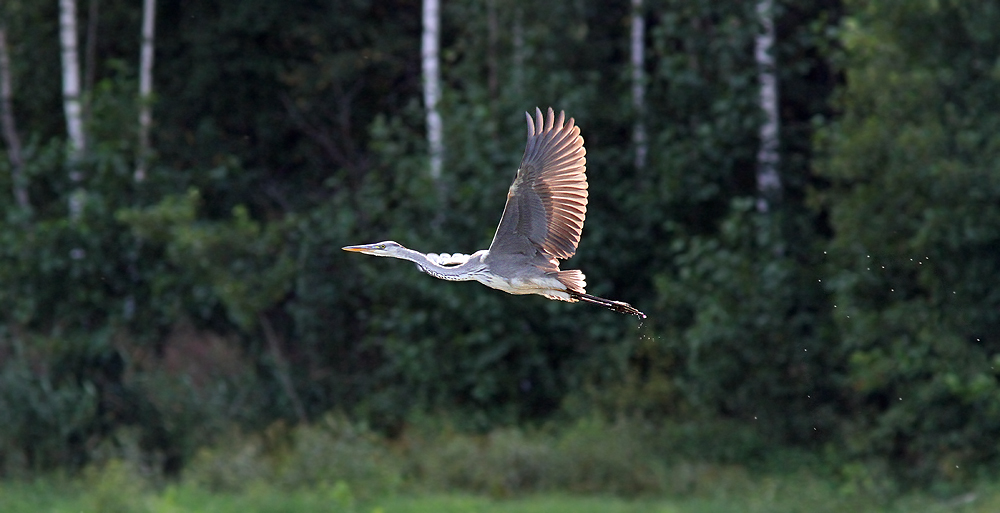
(591, 456)
(47, 410)
(594, 456)
(114, 487)
(238, 462)
(915, 209)
(502, 463)
(334, 450)
(313, 456)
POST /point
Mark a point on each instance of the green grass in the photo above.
(767, 494)
(590, 466)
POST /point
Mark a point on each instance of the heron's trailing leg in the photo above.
(618, 306)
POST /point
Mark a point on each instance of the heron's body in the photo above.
(541, 224)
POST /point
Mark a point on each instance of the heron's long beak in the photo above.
(354, 248)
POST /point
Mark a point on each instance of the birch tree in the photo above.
(430, 56)
(638, 83)
(145, 86)
(72, 105)
(9, 130)
(768, 181)
(72, 102)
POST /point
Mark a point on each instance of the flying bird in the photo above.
(540, 225)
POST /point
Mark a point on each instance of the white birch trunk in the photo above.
(71, 80)
(72, 103)
(429, 53)
(9, 130)
(638, 83)
(145, 86)
(768, 158)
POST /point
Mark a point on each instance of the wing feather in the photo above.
(547, 203)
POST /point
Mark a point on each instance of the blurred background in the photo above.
(803, 196)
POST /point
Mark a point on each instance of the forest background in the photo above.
(804, 197)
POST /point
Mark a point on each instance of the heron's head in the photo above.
(385, 248)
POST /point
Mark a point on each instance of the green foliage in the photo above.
(594, 456)
(245, 262)
(629, 457)
(855, 313)
(914, 209)
(46, 416)
(88, 303)
(789, 494)
(331, 454)
(233, 466)
(117, 485)
(335, 451)
(753, 335)
(114, 487)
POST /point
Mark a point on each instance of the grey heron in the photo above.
(540, 225)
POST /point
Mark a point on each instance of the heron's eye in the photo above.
(381, 246)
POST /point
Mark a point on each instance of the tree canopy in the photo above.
(858, 311)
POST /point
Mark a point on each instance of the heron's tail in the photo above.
(618, 306)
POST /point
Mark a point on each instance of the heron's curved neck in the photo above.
(462, 272)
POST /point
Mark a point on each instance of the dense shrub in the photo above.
(318, 455)
(915, 210)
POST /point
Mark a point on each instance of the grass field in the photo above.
(621, 467)
(788, 494)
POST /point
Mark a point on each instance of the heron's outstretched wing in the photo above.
(547, 203)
